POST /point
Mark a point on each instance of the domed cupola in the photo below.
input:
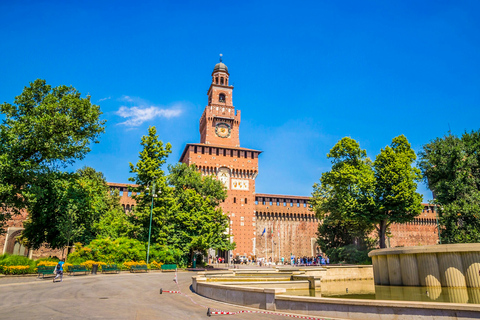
(220, 67)
(220, 73)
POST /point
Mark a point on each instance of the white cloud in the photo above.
(143, 112)
(103, 99)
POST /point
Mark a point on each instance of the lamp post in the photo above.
(151, 215)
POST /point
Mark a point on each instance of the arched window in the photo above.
(216, 80)
(221, 97)
(221, 81)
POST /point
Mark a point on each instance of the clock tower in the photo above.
(219, 154)
(219, 123)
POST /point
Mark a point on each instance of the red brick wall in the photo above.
(420, 232)
(291, 217)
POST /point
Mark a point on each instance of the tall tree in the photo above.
(451, 167)
(149, 173)
(343, 196)
(357, 195)
(66, 208)
(396, 177)
(199, 222)
(45, 129)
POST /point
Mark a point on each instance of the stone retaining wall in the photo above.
(450, 265)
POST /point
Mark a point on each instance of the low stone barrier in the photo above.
(448, 265)
(274, 299)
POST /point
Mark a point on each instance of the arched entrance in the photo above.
(14, 246)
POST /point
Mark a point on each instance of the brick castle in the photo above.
(261, 225)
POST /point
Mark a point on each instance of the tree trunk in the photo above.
(382, 230)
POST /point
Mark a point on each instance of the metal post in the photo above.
(150, 228)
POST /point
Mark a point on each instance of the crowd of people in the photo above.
(300, 261)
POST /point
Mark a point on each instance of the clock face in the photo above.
(223, 130)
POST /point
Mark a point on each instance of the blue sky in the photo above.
(305, 73)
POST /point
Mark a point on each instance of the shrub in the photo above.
(349, 254)
(47, 263)
(22, 264)
(88, 264)
(111, 251)
(16, 269)
(154, 265)
(166, 255)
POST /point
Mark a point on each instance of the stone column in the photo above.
(409, 266)
(376, 272)
(383, 270)
(394, 272)
(451, 270)
(428, 270)
(471, 268)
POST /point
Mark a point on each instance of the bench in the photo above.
(169, 267)
(75, 269)
(110, 268)
(139, 267)
(45, 270)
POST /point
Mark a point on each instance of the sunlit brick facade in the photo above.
(289, 224)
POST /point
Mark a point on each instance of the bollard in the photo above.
(209, 313)
(161, 290)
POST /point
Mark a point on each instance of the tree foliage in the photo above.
(451, 166)
(184, 205)
(45, 129)
(151, 187)
(358, 195)
(343, 195)
(67, 208)
(199, 221)
(395, 198)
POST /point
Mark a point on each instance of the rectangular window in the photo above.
(245, 200)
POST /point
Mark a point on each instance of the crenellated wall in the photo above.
(294, 227)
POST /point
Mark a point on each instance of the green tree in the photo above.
(45, 129)
(199, 222)
(66, 208)
(396, 199)
(343, 196)
(114, 223)
(358, 195)
(185, 213)
(148, 172)
(451, 167)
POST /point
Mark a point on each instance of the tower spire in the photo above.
(221, 55)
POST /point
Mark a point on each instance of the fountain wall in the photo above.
(447, 265)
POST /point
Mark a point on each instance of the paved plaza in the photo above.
(110, 296)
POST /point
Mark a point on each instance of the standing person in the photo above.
(59, 270)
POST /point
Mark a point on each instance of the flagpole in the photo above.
(266, 249)
(279, 257)
(272, 242)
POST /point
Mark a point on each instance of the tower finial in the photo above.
(221, 55)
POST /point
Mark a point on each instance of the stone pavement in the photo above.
(109, 296)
